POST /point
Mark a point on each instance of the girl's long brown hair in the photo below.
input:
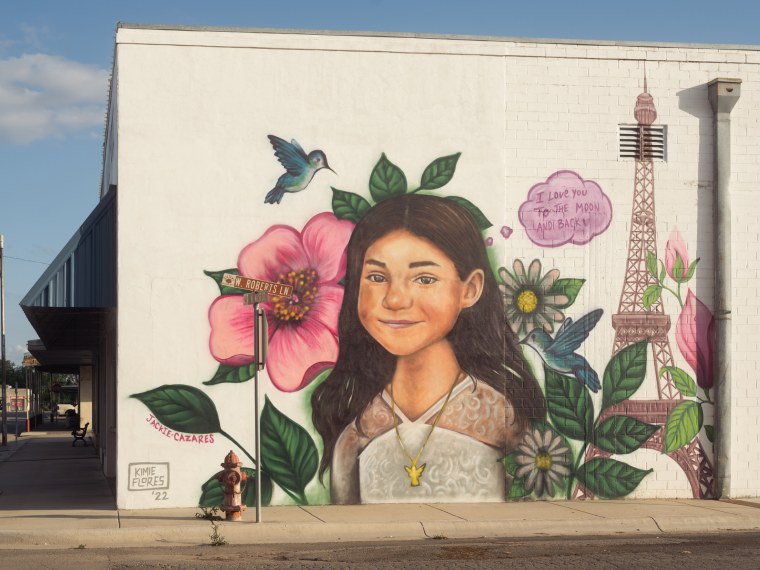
(483, 341)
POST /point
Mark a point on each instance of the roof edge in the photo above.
(516, 39)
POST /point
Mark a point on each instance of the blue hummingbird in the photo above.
(300, 167)
(558, 353)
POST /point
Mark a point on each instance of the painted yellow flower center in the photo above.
(543, 461)
(304, 284)
(527, 301)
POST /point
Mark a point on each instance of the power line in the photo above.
(29, 260)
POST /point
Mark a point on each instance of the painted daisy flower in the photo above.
(543, 461)
(528, 301)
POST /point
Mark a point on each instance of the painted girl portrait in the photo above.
(430, 390)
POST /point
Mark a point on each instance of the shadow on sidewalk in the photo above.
(44, 472)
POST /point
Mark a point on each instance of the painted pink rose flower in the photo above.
(303, 330)
(676, 247)
(694, 334)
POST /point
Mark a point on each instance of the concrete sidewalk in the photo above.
(44, 506)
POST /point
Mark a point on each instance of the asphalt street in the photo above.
(721, 550)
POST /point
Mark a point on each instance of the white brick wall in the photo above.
(745, 180)
(518, 111)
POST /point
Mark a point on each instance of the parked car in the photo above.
(65, 410)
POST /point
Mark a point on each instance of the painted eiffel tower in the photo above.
(634, 323)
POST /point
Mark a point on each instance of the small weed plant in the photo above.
(216, 538)
(208, 514)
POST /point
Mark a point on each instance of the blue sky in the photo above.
(55, 58)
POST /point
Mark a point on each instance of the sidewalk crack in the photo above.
(310, 513)
(657, 525)
(574, 509)
(447, 512)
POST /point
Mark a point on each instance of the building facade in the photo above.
(593, 339)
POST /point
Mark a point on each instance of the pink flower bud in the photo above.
(676, 246)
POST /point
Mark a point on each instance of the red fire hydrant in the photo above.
(231, 479)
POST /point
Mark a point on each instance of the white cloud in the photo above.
(44, 96)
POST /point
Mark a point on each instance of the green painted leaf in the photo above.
(663, 272)
(683, 425)
(651, 295)
(288, 453)
(652, 264)
(182, 408)
(623, 434)
(231, 374)
(682, 380)
(349, 206)
(480, 219)
(710, 433)
(510, 465)
(568, 287)
(439, 172)
(624, 374)
(249, 488)
(517, 490)
(610, 479)
(224, 289)
(212, 491)
(386, 180)
(570, 406)
(690, 271)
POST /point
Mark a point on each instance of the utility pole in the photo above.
(2, 343)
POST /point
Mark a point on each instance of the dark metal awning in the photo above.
(68, 336)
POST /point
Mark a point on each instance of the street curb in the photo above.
(243, 533)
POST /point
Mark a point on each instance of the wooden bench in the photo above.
(79, 434)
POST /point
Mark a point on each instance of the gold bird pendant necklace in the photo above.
(413, 470)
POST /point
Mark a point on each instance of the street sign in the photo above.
(240, 282)
(255, 298)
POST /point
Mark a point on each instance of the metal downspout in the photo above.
(723, 95)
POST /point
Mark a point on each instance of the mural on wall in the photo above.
(565, 209)
(421, 400)
(300, 168)
(406, 345)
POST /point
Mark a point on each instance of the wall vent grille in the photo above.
(640, 142)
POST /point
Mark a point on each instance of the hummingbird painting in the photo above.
(558, 353)
(300, 168)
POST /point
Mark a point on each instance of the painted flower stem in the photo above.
(677, 294)
(707, 399)
(300, 499)
(243, 449)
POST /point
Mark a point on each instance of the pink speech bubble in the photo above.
(565, 209)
